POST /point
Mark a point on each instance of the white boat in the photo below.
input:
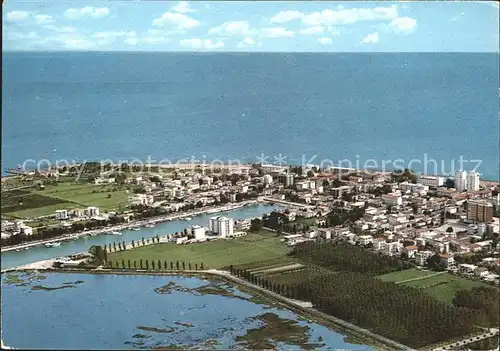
(150, 226)
(94, 234)
(116, 233)
(136, 229)
(17, 250)
(187, 218)
(52, 244)
(26, 248)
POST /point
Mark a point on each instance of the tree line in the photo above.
(100, 257)
(401, 313)
(155, 265)
(345, 257)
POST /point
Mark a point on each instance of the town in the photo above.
(424, 232)
(399, 214)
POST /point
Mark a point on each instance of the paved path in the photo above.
(421, 278)
(468, 340)
(295, 204)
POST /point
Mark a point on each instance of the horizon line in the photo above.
(247, 52)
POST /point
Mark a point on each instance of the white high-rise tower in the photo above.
(472, 181)
(461, 180)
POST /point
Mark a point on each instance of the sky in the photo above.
(307, 26)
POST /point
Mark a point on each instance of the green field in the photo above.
(444, 287)
(26, 203)
(31, 203)
(298, 276)
(404, 275)
(255, 247)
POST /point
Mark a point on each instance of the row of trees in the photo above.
(155, 265)
(345, 257)
(121, 246)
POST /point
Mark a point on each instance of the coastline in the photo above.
(138, 223)
(302, 308)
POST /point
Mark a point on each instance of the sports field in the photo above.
(443, 286)
(255, 247)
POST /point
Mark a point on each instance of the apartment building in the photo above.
(431, 181)
(62, 214)
(222, 226)
(479, 211)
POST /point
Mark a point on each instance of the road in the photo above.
(295, 204)
(421, 278)
(468, 340)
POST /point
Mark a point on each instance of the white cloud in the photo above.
(86, 11)
(182, 7)
(23, 36)
(15, 16)
(155, 40)
(65, 29)
(276, 32)
(405, 25)
(179, 20)
(325, 41)
(286, 16)
(197, 43)
(108, 35)
(349, 16)
(78, 44)
(371, 38)
(246, 42)
(43, 19)
(231, 28)
(131, 41)
(312, 30)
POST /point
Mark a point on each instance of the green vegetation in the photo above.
(35, 202)
(354, 293)
(85, 195)
(219, 253)
(25, 203)
(348, 258)
(407, 274)
(344, 281)
(445, 286)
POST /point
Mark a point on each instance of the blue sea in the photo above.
(284, 108)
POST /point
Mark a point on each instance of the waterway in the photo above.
(12, 259)
(85, 311)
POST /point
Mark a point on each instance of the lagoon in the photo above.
(11, 259)
(86, 311)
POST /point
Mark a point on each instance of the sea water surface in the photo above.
(11, 259)
(80, 311)
(383, 107)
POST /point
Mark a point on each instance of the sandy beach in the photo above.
(139, 223)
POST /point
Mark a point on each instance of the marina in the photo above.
(12, 258)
